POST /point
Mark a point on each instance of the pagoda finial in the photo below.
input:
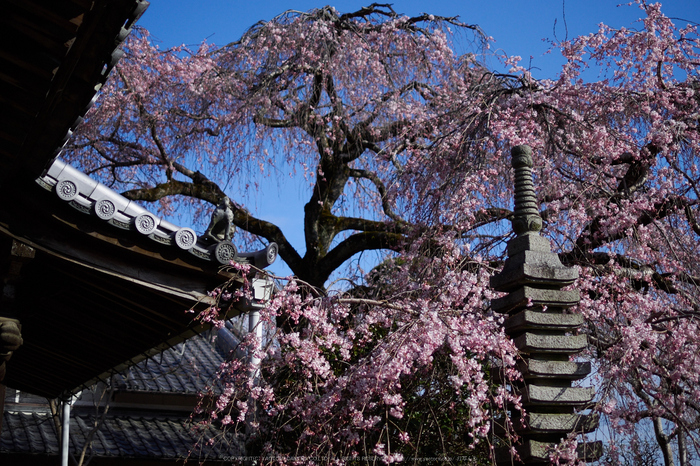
(526, 217)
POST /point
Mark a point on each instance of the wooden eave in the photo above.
(54, 55)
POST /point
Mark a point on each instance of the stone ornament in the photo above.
(262, 258)
(10, 341)
(271, 253)
(105, 209)
(221, 226)
(225, 252)
(145, 224)
(185, 238)
(66, 190)
(10, 337)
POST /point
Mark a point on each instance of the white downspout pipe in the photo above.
(255, 328)
(262, 291)
(65, 431)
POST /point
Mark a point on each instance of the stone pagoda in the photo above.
(545, 331)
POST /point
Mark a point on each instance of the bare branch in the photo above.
(381, 189)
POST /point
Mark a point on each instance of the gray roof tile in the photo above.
(125, 437)
(189, 367)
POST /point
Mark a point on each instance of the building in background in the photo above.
(147, 420)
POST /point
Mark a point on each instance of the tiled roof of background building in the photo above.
(188, 367)
(149, 431)
(119, 436)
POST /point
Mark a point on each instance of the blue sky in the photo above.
(519, 27)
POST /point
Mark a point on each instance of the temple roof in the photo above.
(92, 297)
